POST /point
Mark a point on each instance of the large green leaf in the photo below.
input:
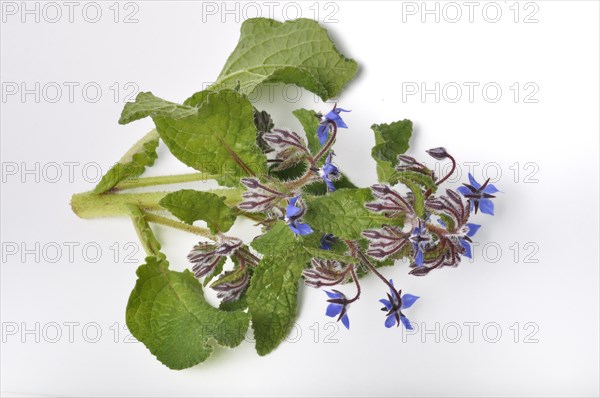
(189, 205)
(343, 213)
(168, 313)
(296, 52)
(273, 299)
(391, 140)
(132, 164)
(218, 137)
(147, 104)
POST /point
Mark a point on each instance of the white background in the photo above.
(550, 204)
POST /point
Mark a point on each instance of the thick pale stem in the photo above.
(90, 205)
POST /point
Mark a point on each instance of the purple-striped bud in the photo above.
(438, 153)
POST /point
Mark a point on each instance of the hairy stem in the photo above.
(300, 182)
(328, 144)
(313, 161)
(355, 279)
(156, 219)
(366, 262)
(451, 170)
(163, 180)
(143, 231)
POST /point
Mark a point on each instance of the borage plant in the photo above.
(316, 225)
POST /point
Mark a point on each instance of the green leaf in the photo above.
(230, 277)
(218, 137)
(343, 214)
(215, 272)
(310, 123)
(132, 165)
(273, 299)
(147, 104)
(168, 313)
(189, 205)
(391, 140)
(264, 124)
(277, 241)
(298, 52)
(418, 183)
(239, 304)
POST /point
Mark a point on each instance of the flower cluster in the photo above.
(431, 230)
(208, 260)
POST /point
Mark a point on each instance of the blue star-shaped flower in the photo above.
(338, 306)
(328, 172)
(479, 195)
(292, 216)
(326, 241)
(393, 308)
(419, 238)
(467, 232)
(332, 116)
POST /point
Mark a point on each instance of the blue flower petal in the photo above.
(393, 293)
(294, 228)
(338, 110)
(340, 123)
(292, 211)
(328, 159)
(302, 229)
(386, 303)
(326, 242)
(328, 169)
(486, 206)
(329, 183)
(333, 295)
(331, 115)
(491, 188)
(390, 321)
(333, 310)
(323, 133)
(408, 300)
(419, 257)
(325, 246)
(467, 247)
(334, 116)
(406, 323)
(473, 228)
(346, 321)
(294, 200)
(473, 182)
(464, 190)
(443, 224)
